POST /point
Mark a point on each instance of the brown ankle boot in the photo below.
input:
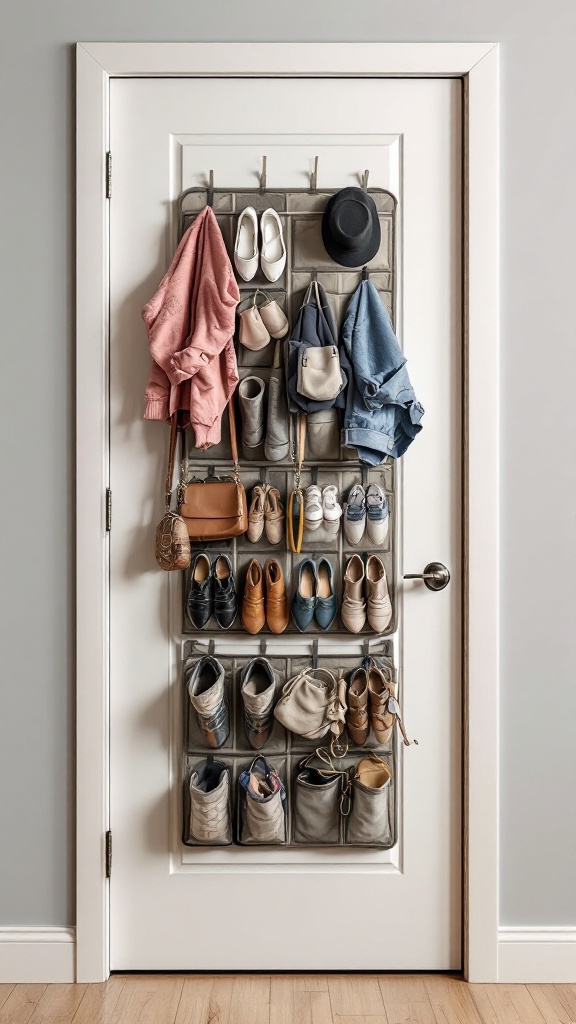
(277, 612)
(253, 615)
(381, 719)
(358, 723)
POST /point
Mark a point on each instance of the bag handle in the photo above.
(298, 449)
(174, 428)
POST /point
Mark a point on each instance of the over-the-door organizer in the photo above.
(335, 824)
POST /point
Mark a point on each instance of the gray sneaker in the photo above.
(377, 515)
(355, 515)
(210, 812)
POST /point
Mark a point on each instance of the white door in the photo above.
(176, 908)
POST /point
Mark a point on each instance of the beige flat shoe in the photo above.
(274, 319)
(274, 516)
(256, 513)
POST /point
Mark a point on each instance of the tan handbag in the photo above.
(216, 509)
(312, 704)
(172, 541)
(319, 375)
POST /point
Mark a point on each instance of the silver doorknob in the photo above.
(436, 576)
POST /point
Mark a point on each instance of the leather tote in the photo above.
(172, 541)
(216, 509)
(312, 704)
(319, 373)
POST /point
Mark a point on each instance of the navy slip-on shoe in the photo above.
(304, 603)
(326, 600)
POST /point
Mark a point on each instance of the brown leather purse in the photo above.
(216, 509)
(172, 541)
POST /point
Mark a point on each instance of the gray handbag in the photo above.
(277, 442)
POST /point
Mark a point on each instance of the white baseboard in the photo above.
(37, 955)
(538, 955)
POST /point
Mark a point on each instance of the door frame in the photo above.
(477, 64)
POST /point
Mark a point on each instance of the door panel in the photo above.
(262, 909)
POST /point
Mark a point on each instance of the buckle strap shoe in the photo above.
(277, 614)
(257, 688)
(381, 716)
(379, 606)
(205, 681)
(353, 609)
(210, 810)
(246, 244)
(326, 600)
(253, 611)
(200, 601)
(304, 603)
(358, 721)
(377, 515)
(355, 515)
(225, 595)
(273, 254)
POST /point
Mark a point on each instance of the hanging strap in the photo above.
(233, 437)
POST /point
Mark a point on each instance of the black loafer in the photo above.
(225, 596)
(199, 603)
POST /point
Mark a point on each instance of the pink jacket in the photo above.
(190, 322)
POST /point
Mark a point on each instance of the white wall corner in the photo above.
(538, 955)
(37, 955)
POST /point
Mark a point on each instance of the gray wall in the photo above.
(538, 837)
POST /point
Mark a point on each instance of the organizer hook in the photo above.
(210, 196)
(314, 176)
(365, 273)
(365, 180)
(263, 176)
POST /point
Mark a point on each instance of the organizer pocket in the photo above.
(323, 435)
(262, 804)
(317, 817)
(370, 819)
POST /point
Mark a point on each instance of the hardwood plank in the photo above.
(365, 1019)
(550, 1004)
(451, 1000)
(148, 999)
(21, 1003)
(221, 1000)
(293, 1001)
(196, 1005)
(355, 995)
(567, 996)
(5, 990)
(309, 982)
(250, 999)
(406, 999)
(100, 1001)
(506, 1004)
(58, 1004)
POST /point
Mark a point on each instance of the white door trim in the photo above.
(477, 64)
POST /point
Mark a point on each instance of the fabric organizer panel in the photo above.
(284, 750)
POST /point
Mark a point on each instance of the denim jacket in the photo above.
(382, 413)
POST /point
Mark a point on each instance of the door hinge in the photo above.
(108, 509)
(108, 854)
(108, 175)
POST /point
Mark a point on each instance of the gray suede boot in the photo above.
(277, 444)
(210, 809)
(252, 409)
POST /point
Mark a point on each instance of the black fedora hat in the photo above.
(350, 227)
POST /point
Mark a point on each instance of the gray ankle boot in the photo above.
(210, 811)
(252, 408)
(263, 817)
(277, 444)
(207, 694)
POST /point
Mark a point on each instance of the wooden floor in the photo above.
(287, 999)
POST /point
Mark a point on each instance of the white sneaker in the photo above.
(313, 511)
(355, 515)
(273, 255)
(330, 507)
(377, 515)
(246, 245)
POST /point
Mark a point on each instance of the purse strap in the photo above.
(233, 438)
(171, 454)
